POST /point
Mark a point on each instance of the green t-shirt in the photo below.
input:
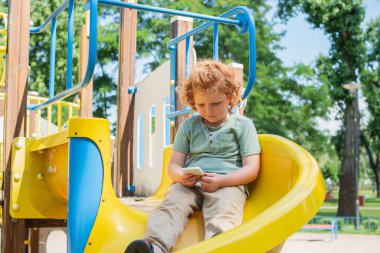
(218, 150)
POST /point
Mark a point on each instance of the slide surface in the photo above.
(287, 194)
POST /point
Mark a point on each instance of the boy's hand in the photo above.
(211, 182)
(189, 180)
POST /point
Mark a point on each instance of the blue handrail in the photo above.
(70, 42)
(244, 22)
(215, 52)
(53, 36)
(93, 8)
(42, 27)
(247, 24)
(169, 11)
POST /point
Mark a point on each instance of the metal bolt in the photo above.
(40, 176)
(17, 177)
(18, 145)
(16, 207)
(172, 82)
(172, 124)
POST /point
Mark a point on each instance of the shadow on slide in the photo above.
(286, 195)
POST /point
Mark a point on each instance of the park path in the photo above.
(302, 242)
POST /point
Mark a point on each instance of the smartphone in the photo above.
(194, 170)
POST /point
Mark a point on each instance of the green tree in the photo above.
(39, 55)
(39, 48)
(371, 78)
(4, 6)
(341, 21)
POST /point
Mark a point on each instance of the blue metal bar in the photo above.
(70, 42)
(173, 78)
(167, 122)
(173, 115)
(90, 65)
(42, 27)
(204, 26)
(52, 57)
(216, 42)
(187, 60)
(247, 24)
(169, 11)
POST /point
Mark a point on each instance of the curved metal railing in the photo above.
(92, 7)
(243, 21)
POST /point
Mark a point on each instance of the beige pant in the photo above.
(222, 211)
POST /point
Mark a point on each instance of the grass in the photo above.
(347, 226)
(370, 199)
(372, 202)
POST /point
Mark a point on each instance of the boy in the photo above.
(225, 146)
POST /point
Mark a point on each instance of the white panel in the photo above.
(151, 91)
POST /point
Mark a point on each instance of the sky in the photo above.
(302, 44)
(306, 48)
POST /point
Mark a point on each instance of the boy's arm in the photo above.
(177, 162)
(246, 174)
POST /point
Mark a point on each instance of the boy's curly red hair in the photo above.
(208, 75)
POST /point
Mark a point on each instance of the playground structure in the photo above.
(288, 192)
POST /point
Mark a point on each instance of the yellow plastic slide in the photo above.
(286, 195)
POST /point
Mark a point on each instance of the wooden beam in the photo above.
(86, 94)
(123, 166)
(178, 26)
(34, 240)
(45, 223)
(13, 231)
(238, 69)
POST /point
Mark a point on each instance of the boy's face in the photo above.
(212, 106)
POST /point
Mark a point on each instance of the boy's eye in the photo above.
(217, 103)
(200, 105)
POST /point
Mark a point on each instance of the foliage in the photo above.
(341, 21)
(104, 83)
(371, 78)
(105, 76)
(39, 54)
(4, 6)
(371, 224)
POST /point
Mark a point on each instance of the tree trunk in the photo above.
(377, 177)
(350, 162)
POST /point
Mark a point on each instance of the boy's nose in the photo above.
(208, 109)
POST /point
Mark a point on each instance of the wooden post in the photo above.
(178, 26)
(123, 166)
(2, 90)
(86, 94)
(32, 118)
(34, 240)
(238, 69)
(13, 232)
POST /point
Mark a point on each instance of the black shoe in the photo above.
(139, 246)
